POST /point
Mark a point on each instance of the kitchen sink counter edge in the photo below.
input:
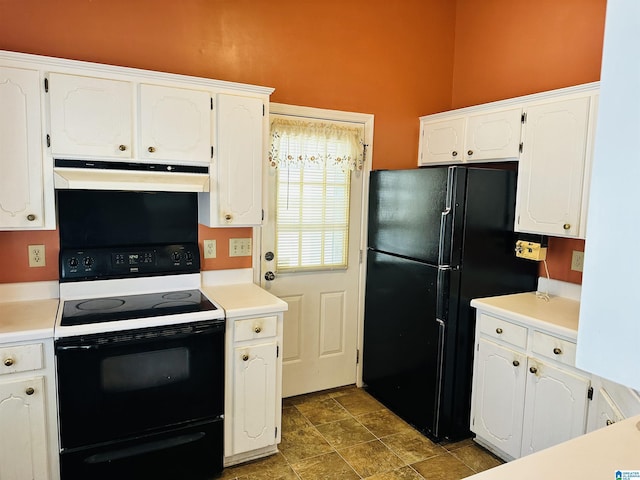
(558, 315)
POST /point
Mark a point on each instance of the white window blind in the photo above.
(312, 199)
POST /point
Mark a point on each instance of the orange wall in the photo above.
(508, 48)
(392, 59)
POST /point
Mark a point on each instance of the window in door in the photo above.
(314, 160)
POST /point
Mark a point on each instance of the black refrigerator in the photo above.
(438, 237)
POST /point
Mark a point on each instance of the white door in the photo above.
(322, 324)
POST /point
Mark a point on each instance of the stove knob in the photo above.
(73, 262)
(88, 261)
(188, 256)
(175, 256)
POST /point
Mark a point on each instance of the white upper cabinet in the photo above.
(175, 124)
(236, 175)
(21, 177)
(482, 135)
(551, 174)
(493, 135)
(94, 118)
(441, 141)
(90, 117)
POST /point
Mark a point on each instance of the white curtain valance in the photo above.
(307, 143)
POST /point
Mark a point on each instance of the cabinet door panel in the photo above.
(551, 169)
(555, 406)
(90, 117)
(494, 136)
(23, 449)
(499, 388)
(442, 141)
(21, 185)
(175, 124)
(239, 158)
(254, 393)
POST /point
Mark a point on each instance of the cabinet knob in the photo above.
(245, 357)
(470, 152)
(8, 362)
(516, 363)
(29, 391)
(566, 226)
(610, 422)
(533, 369)
(228, 217)
(499, 331)
(31, 217)
(257, 329)
(454, 154)
(557, 351)
(122, 148)
(151, 149)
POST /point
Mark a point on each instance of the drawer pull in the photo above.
(499, 331)
(29, 391)
(8, 362)
(516, 363)
(122, 148)
(257, 329)
(557, 351)
(610, 422)
(454, 154)
(245, 357)
(151, 149)
(533, 370)
(470, 152)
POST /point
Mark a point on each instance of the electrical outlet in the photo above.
(239, 247)
(36, 256)
(209, 248)
(530, 250)
(577, 261)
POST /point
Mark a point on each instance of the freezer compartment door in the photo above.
(405, 211)
(401, 337)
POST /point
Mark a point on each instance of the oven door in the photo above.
(118, 385)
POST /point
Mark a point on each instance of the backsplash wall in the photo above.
(14, 246)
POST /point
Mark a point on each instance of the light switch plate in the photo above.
(239, 247)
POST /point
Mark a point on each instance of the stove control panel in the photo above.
(124, 262)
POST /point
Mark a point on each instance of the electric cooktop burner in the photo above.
(129, 307)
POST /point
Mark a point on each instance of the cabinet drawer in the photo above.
(503, 330)
(562, 351)
(254, 328)
(21, 358)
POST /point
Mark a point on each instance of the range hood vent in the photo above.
(105, 175)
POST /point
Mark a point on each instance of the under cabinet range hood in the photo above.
(111, 175)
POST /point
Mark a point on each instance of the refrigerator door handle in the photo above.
(446, 220)
(439, 376)
(442, 288)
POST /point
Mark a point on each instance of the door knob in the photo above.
(269, 256)
(269, 276)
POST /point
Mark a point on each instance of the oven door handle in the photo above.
(76, 347)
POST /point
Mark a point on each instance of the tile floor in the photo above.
(345, 434)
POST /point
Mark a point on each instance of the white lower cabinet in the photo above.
(23, 445)
(527, 395)
(28, 442)
(253, 387)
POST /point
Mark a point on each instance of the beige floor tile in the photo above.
(450, 446)
(303, 443)
(275, 465)
(371, 458)
(345, 433)
(476, 458)
(358, 402)
(323, 411)
(412, 446)
(325, 467)
(384, 423)
(442, 467)
(292, 419)
(404, 473)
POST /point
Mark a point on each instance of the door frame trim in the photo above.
(367, 120)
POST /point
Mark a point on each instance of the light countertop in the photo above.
(558, 315)
(596, 455)
(27, 320)
(244, 299)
